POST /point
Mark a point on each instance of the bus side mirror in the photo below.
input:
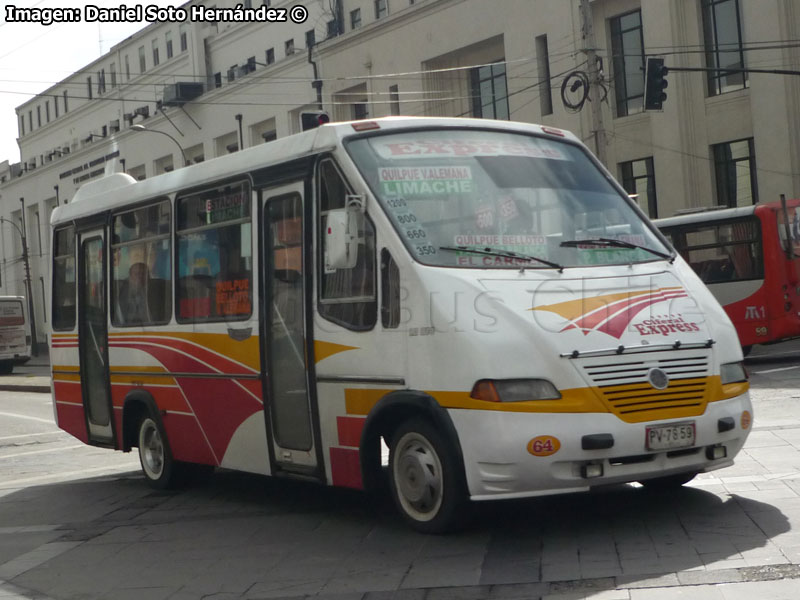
(342, 234)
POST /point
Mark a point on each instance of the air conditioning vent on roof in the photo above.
(178, 94)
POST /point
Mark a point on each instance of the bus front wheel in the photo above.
(423, 478)
(154, 454)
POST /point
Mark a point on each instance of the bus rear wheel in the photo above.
(423, 478)
(158, 466)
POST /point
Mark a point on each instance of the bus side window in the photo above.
(347, 296)
(390, 291)
(141, 268)
(64, 279)
(214, 254)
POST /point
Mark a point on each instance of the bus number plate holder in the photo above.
(670, 437)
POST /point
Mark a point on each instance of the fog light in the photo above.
(591, 470)
(716, 452)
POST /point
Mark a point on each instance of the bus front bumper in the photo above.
(517, 455)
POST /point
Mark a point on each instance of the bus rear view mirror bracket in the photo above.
(342, 234)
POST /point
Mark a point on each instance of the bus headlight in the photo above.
(514, 390)
(732, 372)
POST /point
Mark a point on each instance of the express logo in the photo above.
(612, 313)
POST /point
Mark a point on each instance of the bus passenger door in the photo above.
(289, 410)
(93, 336)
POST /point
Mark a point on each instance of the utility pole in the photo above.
(28, 286)
(590, 50)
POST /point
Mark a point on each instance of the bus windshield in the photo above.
(493, 199)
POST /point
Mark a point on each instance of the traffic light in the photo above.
(655, 84)
(313, 119)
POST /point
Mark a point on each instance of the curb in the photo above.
(10, 387)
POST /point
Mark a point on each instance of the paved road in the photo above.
(78, 522)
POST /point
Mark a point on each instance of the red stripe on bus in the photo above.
(346, 468)
(350, 429)
(72, 419)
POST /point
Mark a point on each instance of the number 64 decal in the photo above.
(544, 445)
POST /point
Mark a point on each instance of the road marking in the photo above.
(29, 418)
(67, 476)
(27, 435)
(59, 449)
(776, 370)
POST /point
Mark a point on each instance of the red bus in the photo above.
(749, 257)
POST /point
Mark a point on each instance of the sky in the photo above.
(33, 57)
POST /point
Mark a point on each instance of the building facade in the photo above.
(181, 93)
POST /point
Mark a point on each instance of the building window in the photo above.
(394, 100)
(355, 18)
(332, 30)
(21, 126)
(722, 28)
(113, 75)
(218, 80)
(127, 68)
(638, 178)
(288, 46)
(270, 56)
(142, 63)
(38, 116)
(735, 173)
(66, 101)
(155, 53)
(89, 91)
(168, 38)
(101, 81)
(489, 92)
(47, 110)
(381, 8)
(310, 38)
(30, 120)
(182, 35)
(627, 46)
(55, 104)
(543, 63)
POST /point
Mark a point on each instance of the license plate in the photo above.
(668, 437)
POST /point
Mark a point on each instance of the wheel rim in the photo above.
(151, 449)
(417, 473)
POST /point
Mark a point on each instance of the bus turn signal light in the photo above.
(514, 390)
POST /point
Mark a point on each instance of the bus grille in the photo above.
(623, 385)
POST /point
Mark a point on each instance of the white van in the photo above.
(15, 333)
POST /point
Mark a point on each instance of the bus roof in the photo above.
(118, 189)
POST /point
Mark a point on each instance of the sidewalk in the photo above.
(33, 376)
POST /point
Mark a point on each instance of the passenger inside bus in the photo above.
(141, 298)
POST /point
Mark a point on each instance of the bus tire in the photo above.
(669, 482)
(159, 468)
(423, 478)
(6, 367)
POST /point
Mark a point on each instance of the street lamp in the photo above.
(140, 127)
(31, 315)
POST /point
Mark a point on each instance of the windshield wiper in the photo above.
(611, 242)
(504, 253)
